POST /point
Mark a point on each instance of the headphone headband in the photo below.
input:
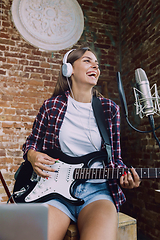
(66, 56)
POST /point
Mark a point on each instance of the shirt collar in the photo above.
(67, 93)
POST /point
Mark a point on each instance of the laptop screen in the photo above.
(23, 221)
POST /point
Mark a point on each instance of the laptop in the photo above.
(23, 221)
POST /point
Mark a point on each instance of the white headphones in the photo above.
(67, 67)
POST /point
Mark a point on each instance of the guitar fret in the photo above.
(104, 170)
(96, 174)
(86, 173)
(82, 173)
(108, 173)
(117, 173)
(120, 172)
(89, 173)
(92, 174)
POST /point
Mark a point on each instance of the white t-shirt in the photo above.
(79, 134)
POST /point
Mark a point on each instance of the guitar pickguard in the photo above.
(60, 183)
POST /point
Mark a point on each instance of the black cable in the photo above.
(151, 121)
(10, 197)
(17, 193)
(149, 131)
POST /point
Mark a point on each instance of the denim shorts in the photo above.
(87, 191)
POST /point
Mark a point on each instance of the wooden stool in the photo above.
(127, 229)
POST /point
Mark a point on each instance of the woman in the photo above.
(66, 122)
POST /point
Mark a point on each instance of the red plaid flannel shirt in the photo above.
(47, 126)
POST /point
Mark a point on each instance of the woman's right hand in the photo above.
(39, 162)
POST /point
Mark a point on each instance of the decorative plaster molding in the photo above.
(50, 25)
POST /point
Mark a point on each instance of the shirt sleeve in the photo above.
(112, 118)
(35, 139)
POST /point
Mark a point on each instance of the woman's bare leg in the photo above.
(98, 221)
(58, 223)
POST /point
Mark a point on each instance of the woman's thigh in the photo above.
(98, 220)
(58, 223)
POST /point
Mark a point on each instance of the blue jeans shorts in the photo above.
(87, 191)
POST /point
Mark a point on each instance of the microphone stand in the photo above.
(125, 110)
(6, 189)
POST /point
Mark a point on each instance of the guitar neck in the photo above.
(113, 173)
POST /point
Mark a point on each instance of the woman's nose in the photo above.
(95, 65)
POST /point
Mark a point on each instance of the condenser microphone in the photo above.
(144, 92)
(144, 100)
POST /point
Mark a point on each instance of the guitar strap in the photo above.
(100, 119)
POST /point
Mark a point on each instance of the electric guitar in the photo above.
(70, 172)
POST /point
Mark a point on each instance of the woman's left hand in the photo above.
(127, 181)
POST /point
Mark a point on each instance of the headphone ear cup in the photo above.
(67, 69)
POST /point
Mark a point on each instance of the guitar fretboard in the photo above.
(113, 173)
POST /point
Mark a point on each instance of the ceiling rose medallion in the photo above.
(50, 25)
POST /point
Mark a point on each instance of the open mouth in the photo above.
(92, 74)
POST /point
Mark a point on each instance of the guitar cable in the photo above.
(20, 192)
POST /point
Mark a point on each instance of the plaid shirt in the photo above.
(48, 123)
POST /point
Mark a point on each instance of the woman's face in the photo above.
(86, 70)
